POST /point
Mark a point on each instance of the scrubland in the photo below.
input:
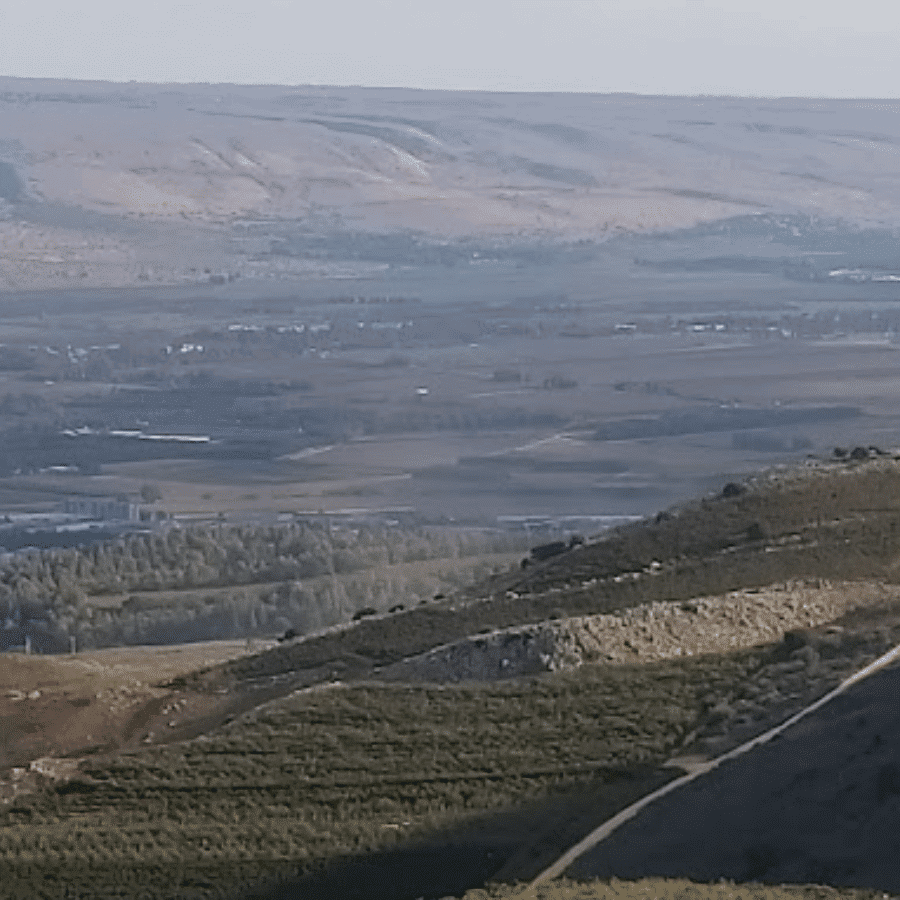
(360, 787)
(316, 781)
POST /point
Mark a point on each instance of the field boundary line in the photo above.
(696, 770)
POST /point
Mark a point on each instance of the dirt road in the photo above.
(818, 804)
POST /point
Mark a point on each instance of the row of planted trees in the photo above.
(303, 576)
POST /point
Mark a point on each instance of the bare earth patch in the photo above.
(667, 889)
(54, 706)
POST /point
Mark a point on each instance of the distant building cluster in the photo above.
(102, 509)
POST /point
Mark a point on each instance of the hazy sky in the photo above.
(820, 48)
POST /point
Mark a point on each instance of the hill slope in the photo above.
(105, 185)
(303, 771)
(832, 521)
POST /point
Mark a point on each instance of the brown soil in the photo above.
(667, 889)
(66, 706)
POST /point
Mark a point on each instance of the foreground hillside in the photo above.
(374, 791)
(340, 766)
(818, 804)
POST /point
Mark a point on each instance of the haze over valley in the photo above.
(455, 304)
(395, 485)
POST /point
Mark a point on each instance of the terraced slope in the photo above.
(833, 521)
(398, 791)
(327, 782)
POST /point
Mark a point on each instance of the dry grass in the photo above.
(667, 889)
(56, 705)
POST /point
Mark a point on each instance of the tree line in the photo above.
(302, 575)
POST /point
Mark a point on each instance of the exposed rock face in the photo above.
(643, 633)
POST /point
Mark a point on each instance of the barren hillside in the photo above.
(108, 185)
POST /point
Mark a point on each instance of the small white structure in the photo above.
(102, 508)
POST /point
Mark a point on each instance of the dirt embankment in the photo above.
(643, 633)
(667, 889)
(55, 706)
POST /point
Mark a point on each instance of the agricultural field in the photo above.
(328, 783)
(344, 770)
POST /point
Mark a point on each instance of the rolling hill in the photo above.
(108, 185)
(473, 739)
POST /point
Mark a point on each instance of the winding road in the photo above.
(816, 801)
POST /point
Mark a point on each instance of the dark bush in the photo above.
(545, 551)
(757, 532)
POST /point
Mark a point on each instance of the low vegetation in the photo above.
(351, 769)
(334, 782)
(352, 788)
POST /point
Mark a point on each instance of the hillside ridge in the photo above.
(825, 521)
(400, 750)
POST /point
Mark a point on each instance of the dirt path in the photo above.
(818, 804)
(696, 767)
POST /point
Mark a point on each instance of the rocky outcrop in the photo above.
(643, 633)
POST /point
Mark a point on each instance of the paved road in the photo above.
(819, 803)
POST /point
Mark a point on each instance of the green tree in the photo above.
(150, 493)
